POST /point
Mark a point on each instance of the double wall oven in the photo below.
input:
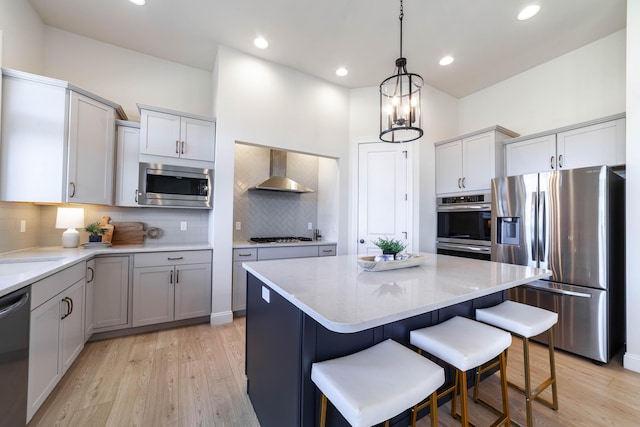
(464, 226)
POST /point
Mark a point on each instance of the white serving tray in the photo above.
(368, 263)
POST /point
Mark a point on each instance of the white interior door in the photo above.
(383, 194)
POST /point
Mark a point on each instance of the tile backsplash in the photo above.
(273, 213)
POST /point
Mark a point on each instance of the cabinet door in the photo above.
(88, 299)
(595, 145)
(192, 291)
(478, 162)
(153, 295)
(239, 300)
(91, 151)
(531, 156)
(127, 155)
(159, 134)
(449, 167)
(197, 139)
(45, 364)
(72, 338)
(111, 293)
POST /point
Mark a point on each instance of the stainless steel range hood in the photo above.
(278, 180)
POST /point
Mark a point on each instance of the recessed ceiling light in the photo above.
(528, 12)
(446, 60)
(342, 72)
(138, 2)
(261, 43)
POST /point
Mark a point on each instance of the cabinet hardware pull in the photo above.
(71, 304)
(136, 196)
(552, 157)
(459, 181)
(68, 310)
(560, 161)
(177, 142)
(244, 254)
(175, 258)
(327, 250)
(73, 189)
(463, 186)
(93, 274)
(171, 277)
(182, 149)
(177, 277)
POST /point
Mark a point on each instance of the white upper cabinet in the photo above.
(468, 163)
(177, 135)
(127, 158)
(58, 142)
(594, 143)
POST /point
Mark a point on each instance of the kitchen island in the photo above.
(313, 309)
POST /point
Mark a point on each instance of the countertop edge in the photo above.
(11, 283)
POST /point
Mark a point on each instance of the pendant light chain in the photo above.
(401, 18)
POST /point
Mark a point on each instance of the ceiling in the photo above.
(317, 37)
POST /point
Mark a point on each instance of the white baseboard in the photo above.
(631, 362)
(221, 318)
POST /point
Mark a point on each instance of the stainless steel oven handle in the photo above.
(483, 249)
(557, 291)
(462, 208)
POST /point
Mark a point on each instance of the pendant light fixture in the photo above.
(400, 101)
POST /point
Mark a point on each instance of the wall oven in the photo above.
(175, 186)
(464, 226)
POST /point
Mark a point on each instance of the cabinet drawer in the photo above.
(327, 250)
(45, 289)
(171, 258)
(245, 254)
(287, 252)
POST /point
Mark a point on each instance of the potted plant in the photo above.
(389, 247)
(95, 231)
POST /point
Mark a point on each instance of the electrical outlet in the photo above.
(183, 225)
(238, 225)
(23, 226)
(310, 226)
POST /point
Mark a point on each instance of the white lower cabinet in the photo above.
(57, 332)
(111, 293)
(170, 286)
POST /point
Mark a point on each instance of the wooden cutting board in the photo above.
(131, 233)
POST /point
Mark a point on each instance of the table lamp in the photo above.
(70, 218)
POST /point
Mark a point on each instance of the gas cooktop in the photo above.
(280, 239)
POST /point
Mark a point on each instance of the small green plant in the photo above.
(389, 246)
(94, 229)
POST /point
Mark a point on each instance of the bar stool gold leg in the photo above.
(323, 410)
(504, 387)
(552, 361)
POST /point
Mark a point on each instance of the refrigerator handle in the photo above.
(558, 291)
(542, 229)
(534, 203)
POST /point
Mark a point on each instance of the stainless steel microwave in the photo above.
(175, 186)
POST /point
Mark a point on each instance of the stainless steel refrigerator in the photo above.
(572, 223)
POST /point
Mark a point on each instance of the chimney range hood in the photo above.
(278, 180)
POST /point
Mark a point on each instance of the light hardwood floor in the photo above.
(194, 376)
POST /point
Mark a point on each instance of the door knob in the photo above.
(361, 240)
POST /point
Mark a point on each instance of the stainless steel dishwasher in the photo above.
(14, 357)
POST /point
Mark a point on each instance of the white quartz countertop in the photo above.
(344, 298)
(24, 267)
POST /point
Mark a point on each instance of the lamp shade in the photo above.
(70, 218)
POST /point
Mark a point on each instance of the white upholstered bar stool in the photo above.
(526, 321)
(465, 344)
(377, 383)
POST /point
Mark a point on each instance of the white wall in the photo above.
(439, 120)
(23, 36)
(581, 85)
(632, 356)
(126, 77)
(263, 103)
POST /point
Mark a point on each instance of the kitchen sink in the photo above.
(14, 266)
